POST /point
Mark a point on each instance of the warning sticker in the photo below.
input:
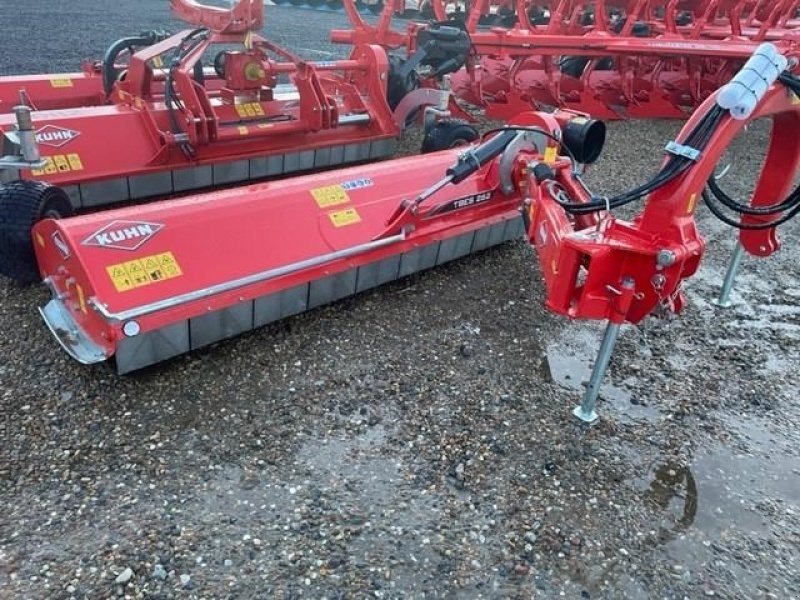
(345, 217)
(795, 98)
(144, 271)
(550, 154)
(691, 203)
(61, 82)
(330, 195)
(60, 163)
(249, 110)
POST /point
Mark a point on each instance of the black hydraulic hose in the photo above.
(746, 209)
(698, 138)
(717, 212)
(171, 99)
(791, 81)
(113, 52)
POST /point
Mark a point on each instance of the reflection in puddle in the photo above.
(673, 488)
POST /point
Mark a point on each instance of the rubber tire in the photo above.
(448, 134)
(396, 88)
(23, 203)
(574, 66)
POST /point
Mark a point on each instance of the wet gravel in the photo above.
(415, 441)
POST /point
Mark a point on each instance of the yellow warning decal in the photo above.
(795, 98)
(243, 130)
(39, 239)
(157, 62)
(60, 163)
(344, 217)
(330, 195)
(61, 82)
(691, 204)
(550, 154)
(249, 110)
(144, 271)
(81, 297)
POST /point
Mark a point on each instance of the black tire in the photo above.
(219, 64)
(448, 134)
(398, 86)
(426, 11)
(574, 66)
(24, 203)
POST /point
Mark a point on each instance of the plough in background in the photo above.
(610, 58)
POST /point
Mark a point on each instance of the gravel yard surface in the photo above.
(416, 441)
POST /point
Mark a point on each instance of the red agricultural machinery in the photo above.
(162, 115)
(148, 283)
(610, 58)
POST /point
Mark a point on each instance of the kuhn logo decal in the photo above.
(55, 136)
(123, 235)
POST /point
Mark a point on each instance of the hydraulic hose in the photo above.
(109, 70)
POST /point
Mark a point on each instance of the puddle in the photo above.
(569, 363)
(672, 487)
(730, 501)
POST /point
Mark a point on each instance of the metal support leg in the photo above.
(585, 412)
(724, 300)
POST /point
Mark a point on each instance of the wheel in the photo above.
(448, 134)
(24, 203)
(426, 11)
(219, 64)
(574, 66)
(398, 86)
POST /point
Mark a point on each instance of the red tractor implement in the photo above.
(610, 58)
(155, 119)
(147, 283)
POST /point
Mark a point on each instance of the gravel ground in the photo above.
(415, 441)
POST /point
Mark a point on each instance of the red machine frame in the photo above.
(643, 63)
(145, 284)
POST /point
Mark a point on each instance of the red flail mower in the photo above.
(143, 284)
(162, 115)
(610, 58)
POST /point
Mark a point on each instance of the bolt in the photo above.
(658, 281)
(665, 258)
